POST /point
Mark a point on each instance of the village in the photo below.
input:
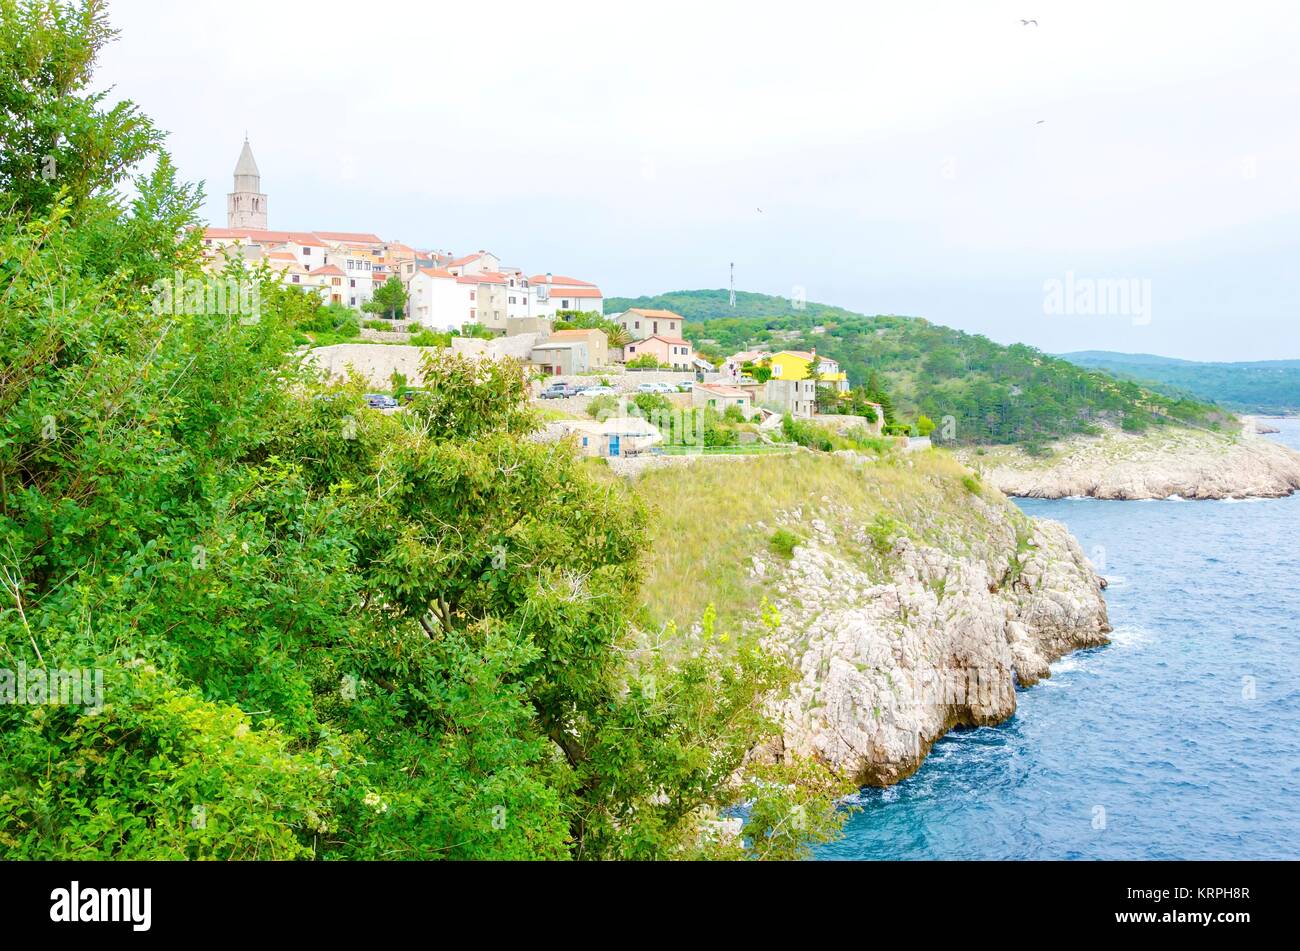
(619, 385)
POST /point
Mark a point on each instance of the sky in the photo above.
(1140, 162)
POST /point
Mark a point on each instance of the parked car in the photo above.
(685, 386)
(380, 401)
(558, 391)
(598, 391)
(656, 388)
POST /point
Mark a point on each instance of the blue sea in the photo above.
(1180, 740)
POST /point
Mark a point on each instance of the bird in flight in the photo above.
(760, 211)
(1040, 122)
(1027, 22)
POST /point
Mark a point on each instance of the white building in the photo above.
(439, 300)
(556, 292)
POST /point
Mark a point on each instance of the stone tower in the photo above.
(246, 205)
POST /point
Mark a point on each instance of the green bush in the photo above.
(603, 406)
(883, 530)
(647, 361)
(649, 404)
(377, 325)
(784, 541)
(430, 338)
(734, 414)
(972, 483)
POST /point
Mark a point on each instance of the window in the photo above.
(638, 325)
(336, 281)
(656, 330)
(471, 295)
(564, 304)
(354, 302)
(353, 282)
(296, 280)
(306, 250)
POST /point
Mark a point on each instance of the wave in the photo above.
(1131, 635)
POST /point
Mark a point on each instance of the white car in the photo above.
(656, 388)
(597, 391)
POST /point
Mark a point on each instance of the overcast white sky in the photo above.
(895, 149)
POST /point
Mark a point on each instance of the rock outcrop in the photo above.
(1186, 463)
(887, 667)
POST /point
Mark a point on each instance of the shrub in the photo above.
(603, 406)
(784, 542)
(650, 403)
(883, 530)
(972, 483)
(428, 338)
(646, 361)
(376, 325)
(734, 414)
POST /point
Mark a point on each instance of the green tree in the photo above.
(390, 299)
(322, 631)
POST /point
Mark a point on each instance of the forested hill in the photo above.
(995, 393)
(1264, 386)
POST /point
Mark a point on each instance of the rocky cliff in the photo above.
(1190, 464)
(914, 600)
(889, 667)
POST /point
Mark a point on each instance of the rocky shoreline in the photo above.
(1165, 463)
(887, 668)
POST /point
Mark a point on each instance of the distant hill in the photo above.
(994, 393)
(1271, 387)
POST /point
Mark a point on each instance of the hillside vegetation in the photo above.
(1270, 387)
(310, 630)
(990, 392)
(724, 512)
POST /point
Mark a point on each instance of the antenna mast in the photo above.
(733, 285)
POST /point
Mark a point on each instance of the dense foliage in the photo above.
(1271, 387)
(991, 393)
(322, 631)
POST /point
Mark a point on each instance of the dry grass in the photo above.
(711, 518)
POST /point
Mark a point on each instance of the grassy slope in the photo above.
(995, 393)
(713, 515)
(1265, 386)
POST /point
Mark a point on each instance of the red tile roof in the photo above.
(353, 237)
(659, 314)
(559, 279)
(721, 390)
(661, 338)
(578, 293)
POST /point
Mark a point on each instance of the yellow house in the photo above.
(794, 364)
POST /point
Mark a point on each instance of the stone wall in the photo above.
(373, 363)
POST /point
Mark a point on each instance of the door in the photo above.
(613, 445)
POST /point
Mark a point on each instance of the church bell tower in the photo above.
(246, 205)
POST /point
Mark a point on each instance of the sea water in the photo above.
(1180, 740)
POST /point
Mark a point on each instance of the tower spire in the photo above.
(246, 203)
